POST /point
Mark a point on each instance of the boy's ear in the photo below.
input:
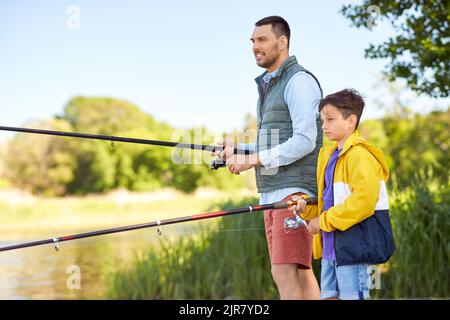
(353, 119)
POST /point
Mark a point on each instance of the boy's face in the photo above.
(334, 126)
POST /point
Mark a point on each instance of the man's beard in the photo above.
(271, 58)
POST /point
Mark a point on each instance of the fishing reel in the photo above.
(293, 223)
(296, 222)
(217, 163)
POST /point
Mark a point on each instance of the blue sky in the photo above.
(188, 63)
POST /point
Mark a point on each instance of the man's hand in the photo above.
(301, 204)
(237, 163)
(314, 225)
(228, 149)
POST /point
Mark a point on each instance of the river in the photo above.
(78, 270)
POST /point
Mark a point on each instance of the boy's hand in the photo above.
(301, 204)
(314, 225)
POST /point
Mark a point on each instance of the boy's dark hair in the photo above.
(348, 101)
(280, 27)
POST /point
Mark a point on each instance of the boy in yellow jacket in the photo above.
(353, 229)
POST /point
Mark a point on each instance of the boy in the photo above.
(353, 204)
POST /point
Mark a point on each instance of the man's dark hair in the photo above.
(347, 101)
(280, 27)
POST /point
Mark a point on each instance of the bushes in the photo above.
(56, 166)
(419, 267)
(226, 261)
(232, 260)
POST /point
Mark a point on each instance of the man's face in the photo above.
(266, 46)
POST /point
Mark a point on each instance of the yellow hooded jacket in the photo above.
(359, 190)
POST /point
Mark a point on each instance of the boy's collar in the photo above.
(347, 144)
(350, 141)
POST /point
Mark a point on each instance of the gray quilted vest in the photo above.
(275, 127)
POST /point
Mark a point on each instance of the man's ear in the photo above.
(283, 42)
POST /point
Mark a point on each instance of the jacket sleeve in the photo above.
(364, 184)
(310, 212)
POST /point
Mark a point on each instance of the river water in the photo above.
(79, 270)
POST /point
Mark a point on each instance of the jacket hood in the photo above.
(356, 140)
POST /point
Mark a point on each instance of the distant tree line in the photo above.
(55, 166)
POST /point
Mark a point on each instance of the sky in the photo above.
(188, 63)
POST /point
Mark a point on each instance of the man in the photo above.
(285, 154)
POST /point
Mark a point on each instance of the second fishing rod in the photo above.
(289, 223)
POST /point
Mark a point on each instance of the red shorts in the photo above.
(287, 246)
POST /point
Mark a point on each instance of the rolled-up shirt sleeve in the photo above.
(302, 96)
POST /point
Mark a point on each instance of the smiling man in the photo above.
(285, 154)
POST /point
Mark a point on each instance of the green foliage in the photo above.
(228, 261)
(111, 116)
(41, 164)
(209, 266)
(412, 141)
(103, 166)
(421, 226)
(231, 259)
(51, 165)
(420, 51)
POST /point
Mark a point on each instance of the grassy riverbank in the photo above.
(22, 213)
(231, 260)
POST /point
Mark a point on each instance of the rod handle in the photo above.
(290, 203)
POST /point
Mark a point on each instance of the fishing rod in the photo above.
(215, 164)
(158, 223)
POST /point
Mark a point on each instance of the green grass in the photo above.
(229, 260)
(419, 267)
(225, 263)
(227, 257)
(29, 214)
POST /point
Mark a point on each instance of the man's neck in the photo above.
(277, 64)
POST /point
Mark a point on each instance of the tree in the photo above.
(41, 164)
(102, 166)
(420, 52)
(412, 141)
(55, 166)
